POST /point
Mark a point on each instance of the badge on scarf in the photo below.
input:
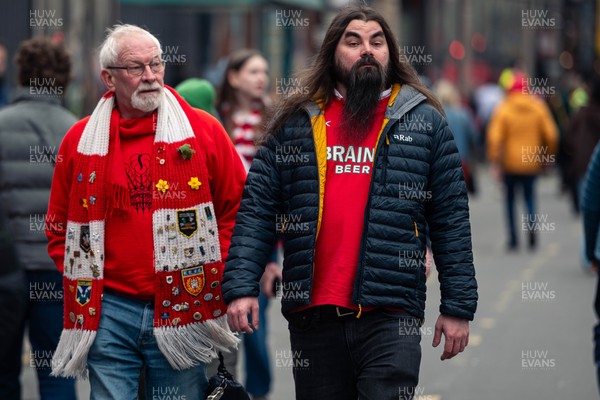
(84, 291)
(84, 238)
(193, 280)
(187, 221)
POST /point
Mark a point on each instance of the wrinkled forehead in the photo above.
(137, 48)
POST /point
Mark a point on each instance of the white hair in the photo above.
(110, 47)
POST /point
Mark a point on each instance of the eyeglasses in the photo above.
(138, 69)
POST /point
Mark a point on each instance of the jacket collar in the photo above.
(407, 99)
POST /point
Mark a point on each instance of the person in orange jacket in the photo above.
(522, 141)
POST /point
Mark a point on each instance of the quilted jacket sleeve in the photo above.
(254, 233)
(590, 207)
(450, 229)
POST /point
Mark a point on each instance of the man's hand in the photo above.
(456, 331)
(272, 272)
(237, 314)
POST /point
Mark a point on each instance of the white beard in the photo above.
(148, 102)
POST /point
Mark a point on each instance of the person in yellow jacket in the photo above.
(522, 141)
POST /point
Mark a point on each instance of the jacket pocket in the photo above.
(301, 322)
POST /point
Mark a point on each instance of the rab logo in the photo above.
(403, 138)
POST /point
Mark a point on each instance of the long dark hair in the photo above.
(319, 81)
(226, 99)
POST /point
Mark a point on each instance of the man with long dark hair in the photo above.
(355, 170)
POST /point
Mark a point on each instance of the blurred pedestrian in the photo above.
(327, 179)
(199, 93)
(590, 208)
(242, 99)
(583, 133)
(486, 98)
(4, 86)
(31, 129)
(146, 196)
(462, 126)
(241, 105)
(522, 142)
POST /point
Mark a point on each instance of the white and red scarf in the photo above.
(190, 320)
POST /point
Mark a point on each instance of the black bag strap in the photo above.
(221, 369)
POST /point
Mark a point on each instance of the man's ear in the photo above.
(108, 79)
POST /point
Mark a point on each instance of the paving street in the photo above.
(532, 336)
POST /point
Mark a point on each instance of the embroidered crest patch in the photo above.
(193, 280)
(84, 238)
(84, 291)
(187, 222)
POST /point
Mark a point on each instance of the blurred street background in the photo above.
(467, 41)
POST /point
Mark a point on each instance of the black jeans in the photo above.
(42, 313)
(374, 357)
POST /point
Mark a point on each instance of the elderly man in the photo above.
(356, 168)
(146, 196)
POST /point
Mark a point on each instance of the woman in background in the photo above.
(241, 105)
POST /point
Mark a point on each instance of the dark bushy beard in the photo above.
(363, 90)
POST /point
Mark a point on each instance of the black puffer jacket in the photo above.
(417, 185)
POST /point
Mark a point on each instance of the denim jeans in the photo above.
(374, 357)
(124, 342)
(512, 182)
(40, 310)
(597, 332)
(257, 363)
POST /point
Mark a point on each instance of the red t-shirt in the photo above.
(349, 170)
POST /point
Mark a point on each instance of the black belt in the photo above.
(335, 311)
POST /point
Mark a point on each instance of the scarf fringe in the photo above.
(70, 357)
(187, 346)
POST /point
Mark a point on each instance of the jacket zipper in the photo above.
(382, 142)
(384, 158)
(312, 275)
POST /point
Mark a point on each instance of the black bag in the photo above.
(222, 386)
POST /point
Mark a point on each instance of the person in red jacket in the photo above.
(143, 204)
